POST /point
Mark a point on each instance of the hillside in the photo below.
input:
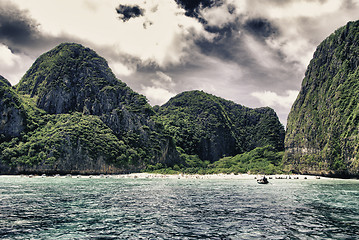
(211, 127)
(13, 115)
(322, 130)
(70, 114)
(79, 118)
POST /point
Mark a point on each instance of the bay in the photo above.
(120, 208)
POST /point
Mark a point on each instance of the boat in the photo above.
(262, 180)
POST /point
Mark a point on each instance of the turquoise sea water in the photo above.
(112, 208)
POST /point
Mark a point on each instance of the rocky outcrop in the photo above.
(211, 127)
(72, 78)
(70, 114)
(12, 113)
(82, 119)
(322, 130)
(68, 143)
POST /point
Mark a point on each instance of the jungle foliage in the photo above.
(69, 105)
(322, 130)
(261, 160)
(212, 127)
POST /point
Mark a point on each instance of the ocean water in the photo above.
(113, 208)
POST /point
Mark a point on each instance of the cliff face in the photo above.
(71, 78)
(68, 143)
(81, 119)
(70, 114)
(211, 127)
(322, 130)
(12, 113)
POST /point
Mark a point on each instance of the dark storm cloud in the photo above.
(243, 43)
(224, 44)
(228, 43)
(16, 27)
(127, 12)
(193, 7)
(260, 27)
(20, 32)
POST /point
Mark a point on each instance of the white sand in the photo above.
(178, 176)
(216, 176)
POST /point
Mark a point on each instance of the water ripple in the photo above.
(60, 208)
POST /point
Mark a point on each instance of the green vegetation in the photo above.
(12, 112)
(73, 106)
(261, 160)
(73, 78)
(60, 135)
(75, 135)
(57, 67)
(9, 97)
(322, 129)
(69, 113)
(211, 127)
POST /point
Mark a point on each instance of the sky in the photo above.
(253, 52)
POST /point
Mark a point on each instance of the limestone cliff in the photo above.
(81, 119)
(68, 143)
(72, 78)
(211, 127)
(322, 130)
(70, 114)
(12, 113)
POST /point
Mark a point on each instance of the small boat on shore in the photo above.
(262, 180)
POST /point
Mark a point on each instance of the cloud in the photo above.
(280, 103)
(292, 27)
(22, 33)
(260, 27)
(13, 65)
(8, 59)
(310, 9)
(210, 74)
(16, 26)
(300, 25)
(157, 95)
(229, 48)
(21, 40)
(193, 7)
(160, 33)
(272, 99)
(218, 16)
(159, 89)
(120, 69)
(127, 12)
(163, 79)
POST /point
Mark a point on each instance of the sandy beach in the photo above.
(217, 176)
(178, 176)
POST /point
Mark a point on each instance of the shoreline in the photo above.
(180, 176)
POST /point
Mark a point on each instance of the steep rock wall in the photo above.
(322, 130)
